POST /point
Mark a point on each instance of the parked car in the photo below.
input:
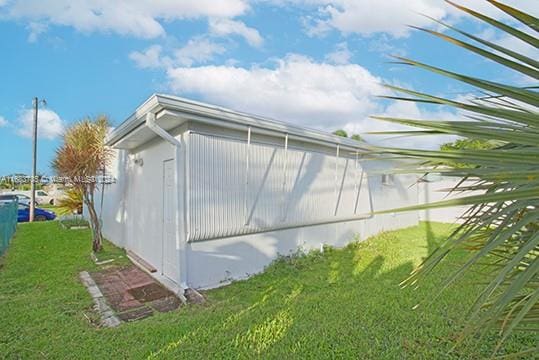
(8, 198)
(22, 199)
(41, 196)
(23, 214)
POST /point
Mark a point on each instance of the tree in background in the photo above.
(343, 133)
(500, 230)
(19, 182)
(80, 159)
(466, 144)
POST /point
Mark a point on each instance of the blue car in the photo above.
(23, 214)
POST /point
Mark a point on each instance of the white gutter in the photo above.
(205, 113)
(181, 238)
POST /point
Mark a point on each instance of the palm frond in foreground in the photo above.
(501, 228)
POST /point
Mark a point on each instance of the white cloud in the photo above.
(3, 122)
(298, 90)
(367, 17)
(341, 55)
(409, 110)
(307, 93)
(198, 50)
(145, 18)
(35, 29)
(50, 125)
(149, 58)
(225, 27)
(139, 18)
(511, 42)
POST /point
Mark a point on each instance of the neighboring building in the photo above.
(206, 195)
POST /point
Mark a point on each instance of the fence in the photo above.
(8, 224)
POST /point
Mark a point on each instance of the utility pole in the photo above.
(34, 161)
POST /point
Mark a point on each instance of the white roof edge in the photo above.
(158, 102)
(133, 121)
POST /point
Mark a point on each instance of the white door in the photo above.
(170, 253)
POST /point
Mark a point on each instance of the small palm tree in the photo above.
(71, 203)
(80, 159)
(501, 227)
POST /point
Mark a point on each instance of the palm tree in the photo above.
(71, 203)
(501, 228)
(81, 158)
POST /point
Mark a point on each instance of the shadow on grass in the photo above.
(342, 303)
(432, 240)
(338, 304)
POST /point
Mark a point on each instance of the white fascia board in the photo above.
(194, 110)
(136, 119)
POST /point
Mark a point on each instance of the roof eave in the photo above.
(159, 102)
(134, 120)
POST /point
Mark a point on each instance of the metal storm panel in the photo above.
(240, 186)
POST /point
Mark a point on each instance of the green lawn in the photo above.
(339, 304)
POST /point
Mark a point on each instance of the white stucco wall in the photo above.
(215, 262)
(437, 190)
(133, 218)
(133, 205)
(113, 210)
(144, 221)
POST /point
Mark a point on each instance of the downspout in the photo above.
(181, 237)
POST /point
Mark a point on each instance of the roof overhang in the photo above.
(171, 112)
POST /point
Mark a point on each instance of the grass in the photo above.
(74, 221)
(337, 304)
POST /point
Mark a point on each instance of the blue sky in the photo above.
(317, 63)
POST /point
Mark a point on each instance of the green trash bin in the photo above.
(8, 223)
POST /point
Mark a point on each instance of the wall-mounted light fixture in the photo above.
(136, 160)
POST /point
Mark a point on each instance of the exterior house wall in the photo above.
(237, 187)
(214, 262)
(204, 200)
(438, 190)
(279, 210)
(132, 213)
(144, 215)
(113, 208)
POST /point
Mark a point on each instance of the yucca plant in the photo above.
(501, 227)
(71, 203)
(80, 160)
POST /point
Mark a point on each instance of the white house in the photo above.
(206, 195)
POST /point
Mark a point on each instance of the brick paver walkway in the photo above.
(133, 294)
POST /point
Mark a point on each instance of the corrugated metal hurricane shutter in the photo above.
(237, 189)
